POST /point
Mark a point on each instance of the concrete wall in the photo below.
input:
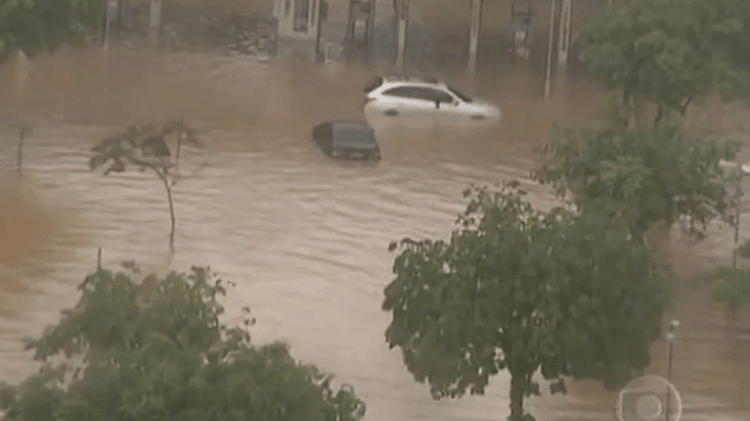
(438, 29)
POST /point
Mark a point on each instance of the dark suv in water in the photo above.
(347, 139)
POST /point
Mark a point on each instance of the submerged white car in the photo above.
(419, 97)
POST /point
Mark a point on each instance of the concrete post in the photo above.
(126, 14)
(155, 22)
(563, 48)
(402, 19)
(476, 21)
(370, 32)
(550, 42)
(112, 9)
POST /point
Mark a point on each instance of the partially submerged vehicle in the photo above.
(347, 139)
(427, 98)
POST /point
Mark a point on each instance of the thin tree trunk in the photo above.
(517, 394)
(168, 187)
(177, 154)
(685, 105)
(21, 135)
(659, 114)
(171, 220)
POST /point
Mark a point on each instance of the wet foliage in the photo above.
(147, 147)
(157, 349)
(671, 52)
(731, 285)
(36, 26)
(644, 175)
(521, 290)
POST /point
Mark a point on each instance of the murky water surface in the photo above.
(305, 238)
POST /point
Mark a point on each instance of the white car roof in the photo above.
(407, 80)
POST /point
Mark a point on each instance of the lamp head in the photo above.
(672, 330)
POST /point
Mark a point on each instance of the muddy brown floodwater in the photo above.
(304, 238)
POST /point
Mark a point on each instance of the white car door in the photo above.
(447, 105)
(403, 100)
(461, 106)
(458, 109)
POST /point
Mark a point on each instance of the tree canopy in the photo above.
(157, 350)
(671, 52)
(34, 26)
(521, 290)
(646, 175)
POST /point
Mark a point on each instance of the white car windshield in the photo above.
(463, 97)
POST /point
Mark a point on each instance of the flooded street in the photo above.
(305, 238)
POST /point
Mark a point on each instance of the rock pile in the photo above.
(254, 34)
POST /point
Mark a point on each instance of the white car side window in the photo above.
(454, 99)
(403, 92)
(395, 92)
(438, 95)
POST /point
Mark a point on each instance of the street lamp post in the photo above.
(110, 17)
(671, 333)
(742, 171)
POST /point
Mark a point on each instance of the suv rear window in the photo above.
(375, 83)
(353, 135)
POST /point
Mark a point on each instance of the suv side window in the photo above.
(434, 95)
(419, 92)
(403, 92)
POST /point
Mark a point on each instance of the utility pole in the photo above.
(476, 21)
(563, 43)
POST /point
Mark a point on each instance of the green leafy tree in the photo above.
(147, 148)
(645, 175)
(671, 52)
(157, 350)
(520, 290)
(35, 26)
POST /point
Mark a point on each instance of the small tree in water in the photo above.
(522, 290)
(156, 350)
(147, 147)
